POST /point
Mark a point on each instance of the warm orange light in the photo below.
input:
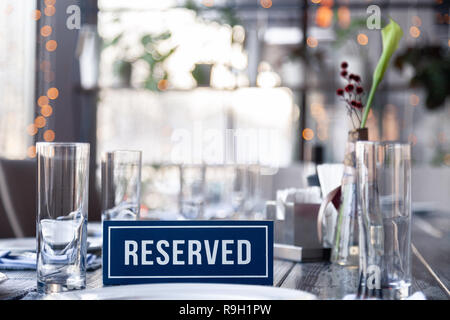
(208, 3)
(40, 122)
(49, 135)
(36, 14)
(49, 2)
(45, 66)
(312, 42)
(324, 16)
(362, 39)
(316, 1)
(42, 101)
(266, 3)
(46, 31)
(344, 17)
(308, 134)
(416, 21)
(52, 93)
(163, 84)
(49, 11)
(31, 152)
(414, 32)
(414, 99)
(46, 111)
(51, 45)
(31, 129)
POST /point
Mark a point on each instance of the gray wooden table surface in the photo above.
(430, 269)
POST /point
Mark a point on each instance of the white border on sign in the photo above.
(219, 276)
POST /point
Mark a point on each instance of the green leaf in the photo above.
(391, 35)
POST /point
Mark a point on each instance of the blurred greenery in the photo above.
(431, 65)
(151, 55)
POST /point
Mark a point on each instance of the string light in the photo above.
(51, 45)
(31, 152)
(40, 122)
(42, 101)
(49, 11)
(36, 15)
(52, 93)
(31, 129)
(46, 111)
(46, 31)
(49, 135)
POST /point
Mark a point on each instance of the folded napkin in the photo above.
(27, 261)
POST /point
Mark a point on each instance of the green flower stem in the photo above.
(391, 35)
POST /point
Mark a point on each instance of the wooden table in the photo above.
(430, 268)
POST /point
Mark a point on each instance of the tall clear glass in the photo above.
(62, 214)
(121, 185)
(384, 215)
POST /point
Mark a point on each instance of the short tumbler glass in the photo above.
(384, 216)
(121, 185)
(62, 214)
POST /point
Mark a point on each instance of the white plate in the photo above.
(184, 291)
(29, 244)
(3, 277)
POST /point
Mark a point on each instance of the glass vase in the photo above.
(345, 246)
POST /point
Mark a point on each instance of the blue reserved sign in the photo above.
(188, 251)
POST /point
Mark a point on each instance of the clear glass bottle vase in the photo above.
(345, 245)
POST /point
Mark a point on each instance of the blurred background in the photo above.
(178, 78)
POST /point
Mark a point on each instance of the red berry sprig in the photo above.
(352, 93)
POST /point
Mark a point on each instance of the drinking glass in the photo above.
(62, 213)
(384, 215)
(121, 185)
(192, 191)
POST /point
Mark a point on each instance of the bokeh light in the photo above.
(49, 11)
(324, 16)
(362, 39)
(208, 3)
(308, 134)
(31, 129)
(52, 93)
(414, 32)
(416, 21)
(49, 135)
(163, 84)
(266, 3)
(42, 101)
(31, 152)
(40, 122)
(344, 17)
(46, 111)
(312, 42)
(36, 14)
(414, 99)
(51, 45)
(46, 31)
